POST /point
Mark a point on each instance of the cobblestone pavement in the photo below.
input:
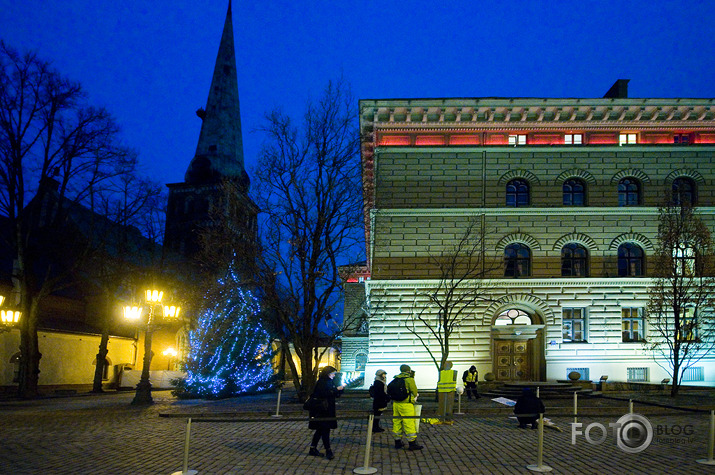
(104, 434)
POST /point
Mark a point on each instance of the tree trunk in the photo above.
(29, 353)
(101, 361)
(103, 350)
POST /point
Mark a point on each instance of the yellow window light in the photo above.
(171, 311)
(132, 313)
(154, 296)
(9, 316)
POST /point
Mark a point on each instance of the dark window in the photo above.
(517, 193)
(573, 329)
(574, 192)
(684, 191)
(682, 139)
(574, 261)
(517, 261)
(632, 324)
(629, 192)
(630, 260)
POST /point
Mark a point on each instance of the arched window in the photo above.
(517, 193)
(684, 191)
(630, 260)
(513, 316)
(105, 368)
(360, 361)
(574, 261)
(629, 192)
(574, 192)
(517, 260)
(15, 362)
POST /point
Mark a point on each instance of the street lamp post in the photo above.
(156, 311)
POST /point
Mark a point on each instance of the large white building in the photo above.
(568, 191)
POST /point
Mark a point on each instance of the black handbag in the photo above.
(315, 404)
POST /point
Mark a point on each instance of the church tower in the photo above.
(195, 203)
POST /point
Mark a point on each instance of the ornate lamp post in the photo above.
(156, 316)
(8, 318)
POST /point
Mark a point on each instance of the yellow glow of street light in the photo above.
(170, 352)
(154, 296)
(132, 313)
(2, 299)
(171, 311)
(9, 316)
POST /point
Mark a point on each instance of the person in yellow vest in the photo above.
(470, 379)
(446, 387)
(406, 408)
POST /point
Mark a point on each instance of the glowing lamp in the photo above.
(9, 316)
(170, 352)
(2, 299)
(132, 313)
(171, 311)
(154, 296)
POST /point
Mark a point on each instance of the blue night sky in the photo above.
(150, 62)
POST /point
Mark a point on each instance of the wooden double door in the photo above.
(513, 360)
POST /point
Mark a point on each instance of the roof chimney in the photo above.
(619, 90)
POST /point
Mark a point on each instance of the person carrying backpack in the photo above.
(403, 391)
(380, 398)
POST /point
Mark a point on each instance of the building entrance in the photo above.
(513, 360)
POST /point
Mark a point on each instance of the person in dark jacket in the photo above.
(530, 406)
(380, 398)
(325, 392)
(470, 379)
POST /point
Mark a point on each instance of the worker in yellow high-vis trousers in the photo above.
(406, 408)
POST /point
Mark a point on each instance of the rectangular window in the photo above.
(515, 140)
(688, 324)
(627, 139)
(632, 324)
(682, 139)
(573, 139)
(573, 326)
(638, 375)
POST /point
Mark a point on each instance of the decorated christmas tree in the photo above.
(230, 349)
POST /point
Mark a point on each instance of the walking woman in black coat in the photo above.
(325, 393)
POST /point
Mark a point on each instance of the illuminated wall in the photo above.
(431, 166)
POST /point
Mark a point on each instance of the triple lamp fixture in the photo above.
(152, 297)
(9, 317)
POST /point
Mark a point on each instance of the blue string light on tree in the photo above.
(230, 349)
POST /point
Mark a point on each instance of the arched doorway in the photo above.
(517, 345)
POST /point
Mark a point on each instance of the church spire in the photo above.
(219, 153)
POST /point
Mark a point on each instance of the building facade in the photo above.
(567, 191)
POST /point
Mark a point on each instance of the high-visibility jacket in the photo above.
(471, 377)
(447, 381)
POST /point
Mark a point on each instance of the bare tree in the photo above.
(308, 192)
(56, 152)
(682, 297)
(461, 270)
(126, 248)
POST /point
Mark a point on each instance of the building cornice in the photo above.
(572, 211)
(530, 112)
(500, 284)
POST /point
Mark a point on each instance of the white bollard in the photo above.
(711, 442)
(630, 406)
(366, 468)
(540, 467)
(278, 405)
(575, 407)
(185, 470)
